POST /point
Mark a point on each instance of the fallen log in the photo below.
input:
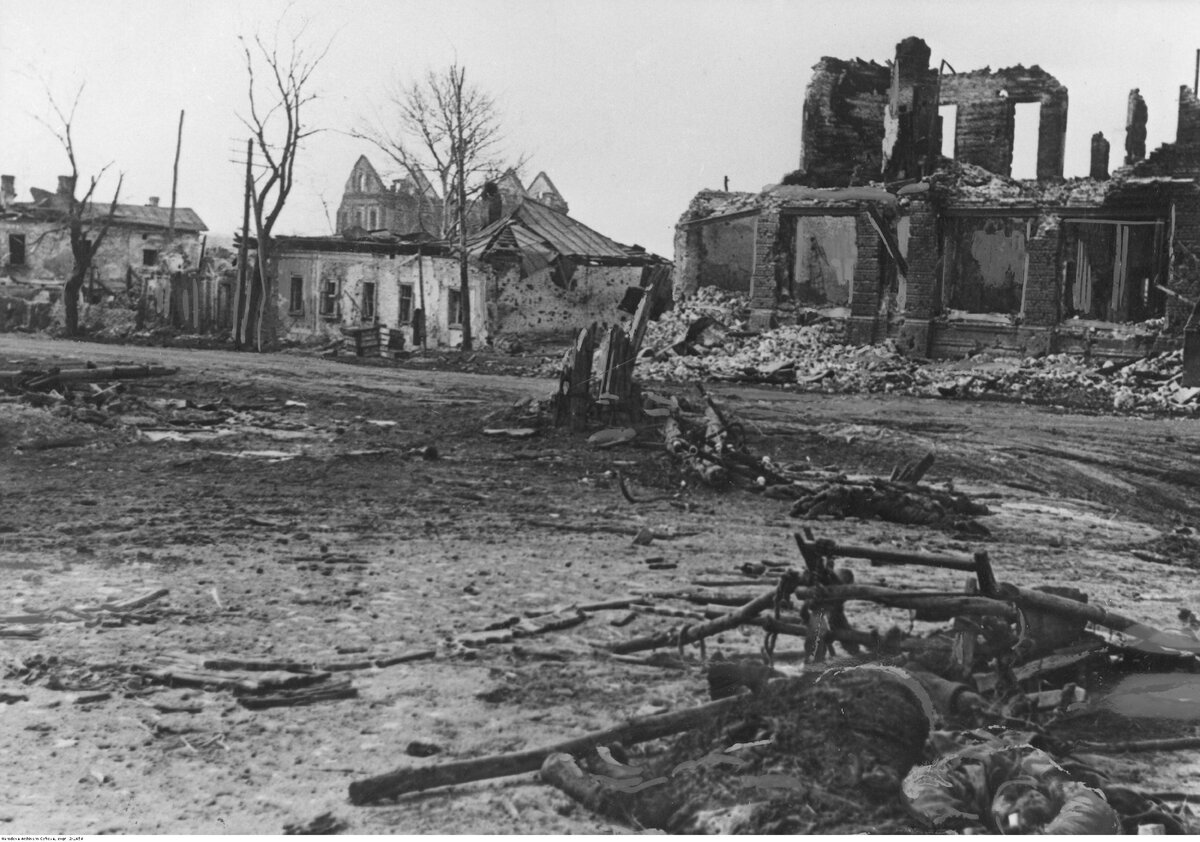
(303, 696)
(404, 780)
(11, 379)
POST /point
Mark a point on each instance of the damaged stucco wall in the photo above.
(717, 253)
(985, 122)
(535, 306)
(48, 252)
(350, 272)
(825, 258)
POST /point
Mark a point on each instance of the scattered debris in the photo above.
(325, 824)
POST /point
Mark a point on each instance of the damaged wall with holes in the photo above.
(953, 255)
(556, 300)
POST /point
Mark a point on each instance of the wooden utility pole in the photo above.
(240, 297)
(175, 182)
(461, 160)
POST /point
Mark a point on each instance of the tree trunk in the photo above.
(71, 290)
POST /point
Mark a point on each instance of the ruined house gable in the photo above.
(986, 101)
(543, 189)
(363, 178)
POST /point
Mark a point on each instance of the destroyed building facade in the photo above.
(534, 273)
(951, 255)
(149, 251)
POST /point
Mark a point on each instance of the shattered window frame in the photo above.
(329, 300)
(406, 304)
(367, 308)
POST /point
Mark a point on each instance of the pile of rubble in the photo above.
(705, 339)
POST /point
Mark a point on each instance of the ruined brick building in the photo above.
(149, 250)
(411, 204)
(953, 255)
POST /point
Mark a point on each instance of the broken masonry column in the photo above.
(1135, 128)
(911, 116)
(1052, 129)
(762, 279)
(1042, 293)
(1100, 150)
(1187, 131)
(689, 256)
(867, 288)
(921, 302)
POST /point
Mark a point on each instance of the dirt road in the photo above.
(314, 532)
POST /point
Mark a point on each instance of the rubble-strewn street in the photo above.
(238, 592)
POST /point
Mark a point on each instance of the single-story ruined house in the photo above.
(137, 257)
(536, 272)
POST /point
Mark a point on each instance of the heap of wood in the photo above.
(91, 395)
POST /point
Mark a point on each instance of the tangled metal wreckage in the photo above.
(953, 255)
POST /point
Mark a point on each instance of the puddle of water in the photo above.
(1171, 695)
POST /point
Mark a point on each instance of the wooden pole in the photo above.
(405, 780)
(239, 317)
(424, 313)
(175, 182)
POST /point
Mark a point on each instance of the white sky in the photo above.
(631, 106)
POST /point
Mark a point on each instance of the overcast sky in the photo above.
(631, 106)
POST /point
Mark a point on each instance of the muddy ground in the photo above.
(307, 533)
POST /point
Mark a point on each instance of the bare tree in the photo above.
(85, 225)
(277, 97)
(447, 130)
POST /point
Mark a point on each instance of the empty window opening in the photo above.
(984, 265)
(296, 299)
(368, 301)
(455, 307)
(949, 115)
(1113, 269)
(373, 218)
(16, 249)
(1027, 117)
(149, 257)
(406, 304)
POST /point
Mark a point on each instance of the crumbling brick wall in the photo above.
(766, 254)
(1041, 298)
(843, 129)
(985, 101)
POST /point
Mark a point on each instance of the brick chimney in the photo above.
(153, 202)
(8, 190)
(66, 185)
